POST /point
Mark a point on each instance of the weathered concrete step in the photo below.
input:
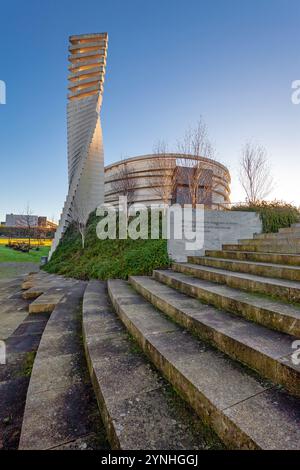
(280, 236)
(34, 292)
(14, 380)
(38, 283)
(249, 267)
(21, 333)
(285, 248)
(288, 290)
(12, 313)
(292, 230)
(266, 351)
(273, 314)
(61, 411)
(270, 239)
(131, 395)
(32, 279)
(243, 410)
(293, 242)
(275, 258)
(47, 301)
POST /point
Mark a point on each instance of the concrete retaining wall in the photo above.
(220, 227)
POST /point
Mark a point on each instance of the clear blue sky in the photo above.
(231, 61)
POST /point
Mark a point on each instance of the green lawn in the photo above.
(8, 255)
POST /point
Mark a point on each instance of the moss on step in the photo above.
(28, 364)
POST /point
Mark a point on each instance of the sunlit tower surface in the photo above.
(85, 146)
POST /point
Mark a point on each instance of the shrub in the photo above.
(274, 214)
(106, 259)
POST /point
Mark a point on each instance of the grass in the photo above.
(8, 255)
(106, 259)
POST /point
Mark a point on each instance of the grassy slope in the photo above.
(106, 259)
(8, 255)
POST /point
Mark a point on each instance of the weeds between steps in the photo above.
(28, 364)
(236, 363)
(181, 408)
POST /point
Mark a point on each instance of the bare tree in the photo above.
(28, 223)
(80, 217)
(124, 183)
(196, 144)
(255, 175)
(163, 179)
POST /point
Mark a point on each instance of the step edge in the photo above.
(200, 325)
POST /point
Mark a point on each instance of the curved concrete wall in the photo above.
(144, 178)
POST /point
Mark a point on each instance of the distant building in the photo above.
(21, 220)
(143, 179)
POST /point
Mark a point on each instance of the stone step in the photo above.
(47, 301)
(34, 278)
(251, 267)
(284, 248)
(22, 336)
(295, 230)
(271, 313)
(61, 411)
(36, 284)
(291, 241)
(12, 314)
(275, 258)
(281, 288)
(266, 351)
(280, 236)
(246, 412)
(34, 292)
(131, 395)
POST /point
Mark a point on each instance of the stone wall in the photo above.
(220, 227)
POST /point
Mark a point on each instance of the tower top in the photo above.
(87, 65)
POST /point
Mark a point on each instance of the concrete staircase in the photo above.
(208, 343)
(130, 393)
(221, 329)
(286, 241)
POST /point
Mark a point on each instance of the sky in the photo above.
(169, 62)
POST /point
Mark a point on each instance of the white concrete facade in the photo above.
(146, 178)
(220, 227)
(85, 146)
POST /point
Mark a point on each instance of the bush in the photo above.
(106, 259)
(274, 214)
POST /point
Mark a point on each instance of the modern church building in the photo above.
(143, 179)
(85, 148)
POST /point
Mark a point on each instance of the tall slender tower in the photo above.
(85, 147)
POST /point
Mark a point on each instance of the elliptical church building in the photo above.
(143, 178)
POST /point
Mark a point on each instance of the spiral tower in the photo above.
(85, 146)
